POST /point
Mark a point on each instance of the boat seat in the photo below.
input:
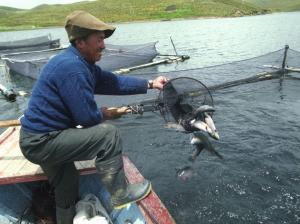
(15, 168)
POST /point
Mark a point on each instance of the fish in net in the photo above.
(188, 104)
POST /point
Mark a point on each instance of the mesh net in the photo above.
(220, 74)
(35, 43)
(24, 42)
(181, 97)
(115, 57)
(216, 77)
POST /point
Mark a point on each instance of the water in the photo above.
(259, 124)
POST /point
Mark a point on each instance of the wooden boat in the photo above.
(18, 177)
(30, 44)
(115, 57)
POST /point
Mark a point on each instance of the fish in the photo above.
(210, 123)
(196, 152)
(185, 172)
(207, 125)
(193, 120)
(201, 142)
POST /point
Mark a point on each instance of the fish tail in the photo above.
(218, 155)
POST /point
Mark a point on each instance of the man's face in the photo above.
(91, 48)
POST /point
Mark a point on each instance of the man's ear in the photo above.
(79, 43)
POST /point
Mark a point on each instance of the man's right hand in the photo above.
(113, 112)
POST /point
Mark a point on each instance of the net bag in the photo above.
(182, 98)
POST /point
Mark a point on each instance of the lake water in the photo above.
(259, 126)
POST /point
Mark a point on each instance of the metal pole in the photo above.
(174, 46)
(284, 58)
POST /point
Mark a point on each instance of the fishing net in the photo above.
(30, 44)
(217, 77)
(235, 73)
(181, 99)
(115, 57)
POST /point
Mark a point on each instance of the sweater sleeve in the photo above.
(108, 83)
(77, 94)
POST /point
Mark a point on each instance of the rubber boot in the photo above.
(112, 175)
(65, 215)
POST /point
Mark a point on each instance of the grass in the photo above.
(134, 10)
(277, 5)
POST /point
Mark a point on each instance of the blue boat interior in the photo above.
(16, 199)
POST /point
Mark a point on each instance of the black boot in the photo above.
(112, 175)
(65, 215)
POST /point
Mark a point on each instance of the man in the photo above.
(63, 99)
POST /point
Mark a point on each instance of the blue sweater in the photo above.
(63, 96)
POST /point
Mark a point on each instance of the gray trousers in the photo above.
(56, 152)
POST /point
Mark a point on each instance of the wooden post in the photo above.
(9, 123)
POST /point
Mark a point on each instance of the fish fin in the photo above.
(209, 147)
(218, 155)
(174, 126)
(214, 152)
(196, 152)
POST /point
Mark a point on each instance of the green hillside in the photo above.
(125, 11)
(277, 5)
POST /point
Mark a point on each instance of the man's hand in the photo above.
(107, 114)
(113, 112)
(158, 83)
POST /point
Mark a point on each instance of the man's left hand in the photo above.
(159, 82)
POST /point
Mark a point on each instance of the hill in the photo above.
(277, 5)
(125, 11)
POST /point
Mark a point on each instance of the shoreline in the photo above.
(189, 18)
(10, 29)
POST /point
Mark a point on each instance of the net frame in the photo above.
(181, 96)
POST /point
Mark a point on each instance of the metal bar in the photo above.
(163, 61)
(284, 58)
(174, 46)
(256, 78)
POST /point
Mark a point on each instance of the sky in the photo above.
(28, 4)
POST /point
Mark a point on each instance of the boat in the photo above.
(29, 44)
(115, 57)
(19, 177)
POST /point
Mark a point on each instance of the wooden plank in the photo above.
(7, 146)
(9, 123)
(152, 205)
(6, 134)
(15, 168)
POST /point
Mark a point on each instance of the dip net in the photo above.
(181, 97)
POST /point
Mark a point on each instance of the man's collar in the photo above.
(77, 53)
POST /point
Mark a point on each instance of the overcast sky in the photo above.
(28, 4)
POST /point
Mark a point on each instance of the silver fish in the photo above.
(200, 141)
(210, 123)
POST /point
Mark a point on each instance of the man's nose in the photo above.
(102, 45)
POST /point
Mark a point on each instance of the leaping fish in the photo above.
(201, 142)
